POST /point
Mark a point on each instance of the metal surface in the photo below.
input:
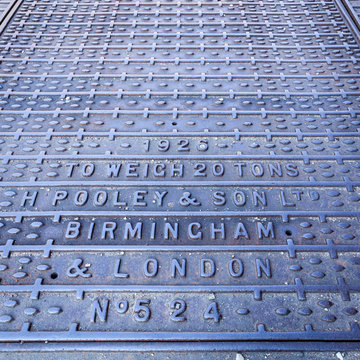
(3, 5)
(179, 172)
(354, 10)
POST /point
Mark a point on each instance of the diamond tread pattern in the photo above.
(179, 170)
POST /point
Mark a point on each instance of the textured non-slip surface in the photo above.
(179, 171)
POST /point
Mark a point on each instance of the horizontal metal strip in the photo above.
(200, 47)
(113, 133)
(178, 4)
(179, 23)
(321, 214)
(306, 158)
(108, 156)
(74, 335)
(330, 247)
(204, 92)
(178, 182)
(177, 60)
(341, 34)
(180, 12)
(297, 287)
(175, 112)
(125, 75)
(135, 347)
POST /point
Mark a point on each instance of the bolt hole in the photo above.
(174, 123)
(54, 275)
(288, 232)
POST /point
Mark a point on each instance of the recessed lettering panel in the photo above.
(240, 229)
(174, 266)
(124, 315)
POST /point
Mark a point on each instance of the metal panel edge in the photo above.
(350, 16)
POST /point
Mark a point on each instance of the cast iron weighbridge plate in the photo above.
(179, 171)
